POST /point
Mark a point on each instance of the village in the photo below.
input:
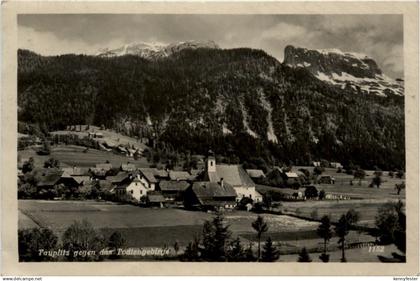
(113, 169)
(209, 187)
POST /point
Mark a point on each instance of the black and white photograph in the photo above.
(249, 138)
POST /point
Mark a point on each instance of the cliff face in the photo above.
(353, 70)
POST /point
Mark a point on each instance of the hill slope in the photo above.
(240, 102)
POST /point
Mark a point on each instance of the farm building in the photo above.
(173, 190)
(129, 167)
(53, 177)
(235, 176)
(179, 175)
(279, 177)
(336, 165)
(69, 181)
(82, 180)
(155, 199)
(118, 178)
(49, 179)
(98, 173)
(316, 164)
(76, 171)
(210, 195)
(255, 173)
(78, 128)
(161, 174)
(292, 179)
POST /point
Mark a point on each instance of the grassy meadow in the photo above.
(72, 155)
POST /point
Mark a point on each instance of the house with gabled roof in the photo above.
(255, 174)
(173, 190)
(53, 177)
(49, 179)
(179, 175)
(161, 174)
(155, 199)
(147, 177)
(207, 195)
(132, 186)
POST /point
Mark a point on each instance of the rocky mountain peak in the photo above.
(155, 50)
(345, 69)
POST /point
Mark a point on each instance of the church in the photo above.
(235, 176)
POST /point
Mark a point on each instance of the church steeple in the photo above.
(211, 162)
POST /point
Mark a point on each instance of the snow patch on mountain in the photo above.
(350, 70)
(154, 50)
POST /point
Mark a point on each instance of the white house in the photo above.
(134, 187)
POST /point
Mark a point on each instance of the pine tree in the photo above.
(192, 252)
(260, 227)
(324, 231)
(304, 256)
(270, 252)
(342, 229)
(215, 235)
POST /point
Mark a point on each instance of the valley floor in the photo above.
(146, 227)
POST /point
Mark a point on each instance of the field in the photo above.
(72, 155)
(110, 137)
(146, 227)
(364, 199)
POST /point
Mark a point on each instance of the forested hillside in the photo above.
(239, 102)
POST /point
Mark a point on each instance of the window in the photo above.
(131, 191)
(141, 191)
(211, 163)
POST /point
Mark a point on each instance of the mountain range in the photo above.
(241, 102)
(153, 50)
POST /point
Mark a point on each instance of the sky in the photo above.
(378, 36)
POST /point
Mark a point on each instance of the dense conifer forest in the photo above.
(213, 98)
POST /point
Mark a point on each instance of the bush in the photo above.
(81, 236)
(321, 195)
(116, 241)
(244, 202)
(318, 170)
(399, 174)
(31, 241)
(311, 192)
